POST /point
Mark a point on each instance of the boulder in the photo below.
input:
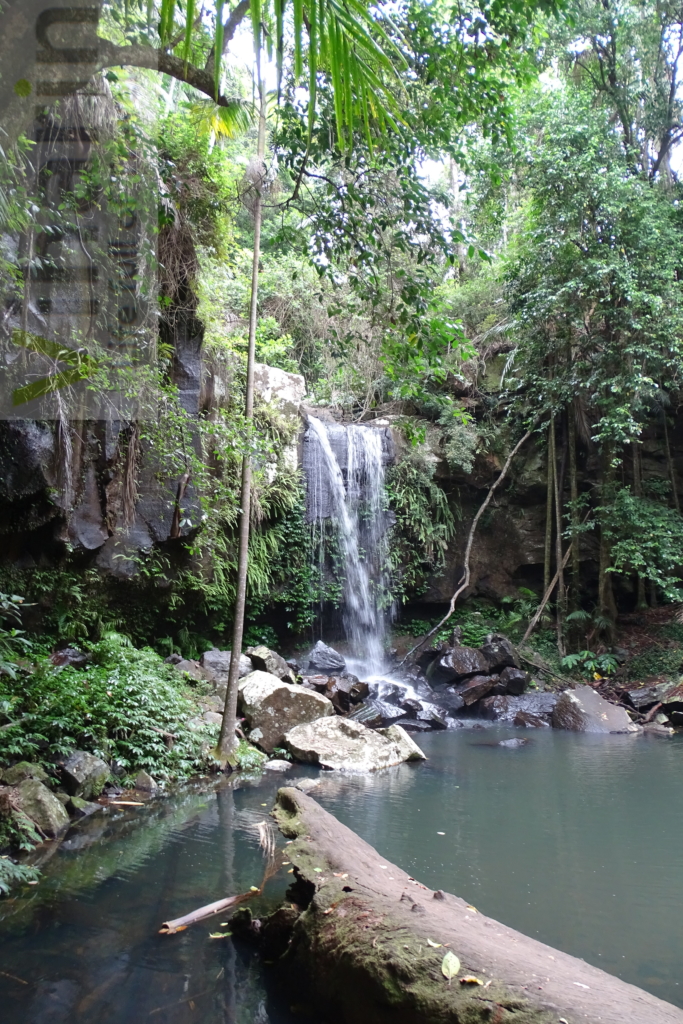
(83, 808)
(449, 700)
(193, 669)
(145, 782)
(413, 725)
(528, 721)
(505, 708)
(216, 666)
(265, 660)
(647, 696)
(456, 663)
(70, 657)
(318, 683)
(23, 770)
(272, 708)
(476, 688)
(367, 713)
(584, 710)
(277, 765)
(432, 715)
(499, 653)
(515, 680)
(42, 807)
(325, 659)
(84, 774)
(345, 745)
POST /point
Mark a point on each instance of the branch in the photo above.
(229, 30)
(139, 56)
(465, 578)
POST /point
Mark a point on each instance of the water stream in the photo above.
(573, 839)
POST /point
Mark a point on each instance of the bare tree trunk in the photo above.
(672, 468)
(606, 604)
(641, 600)
(226, 741)
(574, 498)
(547, 555)
(559, 561)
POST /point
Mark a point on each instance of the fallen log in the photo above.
(361, 942)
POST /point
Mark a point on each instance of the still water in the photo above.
(576, 840)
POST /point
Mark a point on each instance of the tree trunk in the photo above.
(560, 608)
(672, 468)
(547, 557)
(641, 600)
(226, 741)
(575, 592)
(358, 941)
(606, 604)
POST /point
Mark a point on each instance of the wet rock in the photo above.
(319, 683)
(449, 700)
(272, 708)
(306, 785)
(499, 653)
(413, 725)
(23, 770)
(515, 680)
(83, 808)
(505, 709)
(367, 713)
(265, 660)
(513, 744)
(69, 657)
(325, 659)
(411, 706)
(216, 666)
(345, 745)
(145, 782)
(432, 715)
(389, 712)
(655, 729)
(584, 710)
(42, 807)
(277, 764)
(475, 688)
(456, 663)
(647, 696)
(391, 693)
(294, 665)
(84, 774)
(528, 721)
(343, 690)
(429, 654)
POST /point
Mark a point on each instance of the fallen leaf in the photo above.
(224, 924)
(253, 888)
(441, 833)
(450, 965)
(291, 871)
(219, 935)
(473, 909)
(319, 870)
(470, 979)
(434, 945)
(285, 863)
(264, 805)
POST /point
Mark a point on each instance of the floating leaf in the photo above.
(434, 945)
(219, 935)
(450, 965)
(473, 909)
(319, 870)
(254, 888)
(470, 979)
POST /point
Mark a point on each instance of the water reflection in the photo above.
(573, 839)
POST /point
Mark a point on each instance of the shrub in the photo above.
(128, 707)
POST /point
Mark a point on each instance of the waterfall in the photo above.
(344, 466)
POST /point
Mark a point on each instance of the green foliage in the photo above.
(424, 521)
(647, 538)
(127, 707)
(249, 758)
(13, 874)
(591, 665)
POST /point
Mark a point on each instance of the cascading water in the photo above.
(344, 467)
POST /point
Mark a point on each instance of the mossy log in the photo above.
(357, 944)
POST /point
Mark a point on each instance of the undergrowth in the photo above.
(127, 707)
